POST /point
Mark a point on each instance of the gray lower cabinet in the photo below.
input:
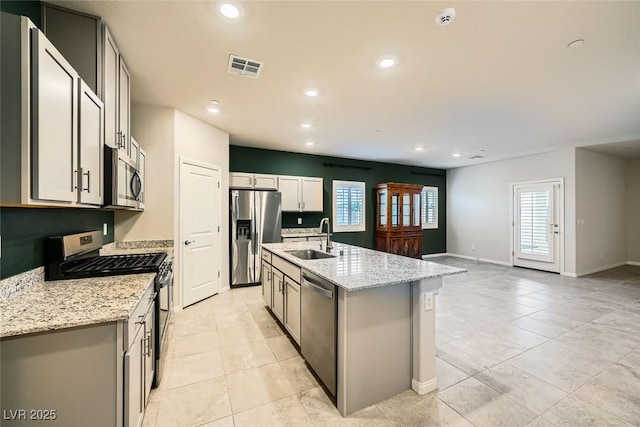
(278, 295)
(98, 375)
(281, 292)
(267, 283)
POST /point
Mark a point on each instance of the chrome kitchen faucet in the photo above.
(329, 246)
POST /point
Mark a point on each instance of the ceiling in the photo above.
(498, 82)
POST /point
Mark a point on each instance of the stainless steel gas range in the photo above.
(77, 256)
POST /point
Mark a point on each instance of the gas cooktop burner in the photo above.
(113, 265)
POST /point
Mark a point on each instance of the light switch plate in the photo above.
(104, 229)
(299, 221)
(428, 301)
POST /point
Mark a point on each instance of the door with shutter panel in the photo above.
(537, 226)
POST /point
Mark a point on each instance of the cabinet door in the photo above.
(143, 178)
(289, 186)
(267, 284)
(278, 294)
(91, 132)
(240, 180)
(312, 194)
(134, 152)
(292, 308)
(111, 90)
(133, 382)
(55, 128)
(265, 182)
(148, 353)
(124, 102)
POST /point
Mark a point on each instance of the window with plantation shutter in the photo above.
(429, 207)
(348, 206)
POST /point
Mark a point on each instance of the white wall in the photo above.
(632, 181)
(601, 214)
(478, 199)
(202, 142)
(153, 128)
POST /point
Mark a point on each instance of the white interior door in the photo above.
(537, 226)
(200, 223)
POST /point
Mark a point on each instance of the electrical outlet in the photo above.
(428, 301)
(602, 256)
(473, 247)
(104, 229)
(299, 221)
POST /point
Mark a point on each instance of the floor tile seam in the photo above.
(164, 390)
(582, 400)
(454, 410)
(524, 330)
(266, 404)
(527, 372)
(536, 415)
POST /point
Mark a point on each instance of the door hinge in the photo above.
(218, 274)
(218, 184)
(218, 229)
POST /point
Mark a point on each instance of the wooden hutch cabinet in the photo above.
(398, 227)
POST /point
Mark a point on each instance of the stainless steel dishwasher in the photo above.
(318, 329)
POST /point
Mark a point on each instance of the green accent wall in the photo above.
(255, 160)
(24, 231)
(28, 8)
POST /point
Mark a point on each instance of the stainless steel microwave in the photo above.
(124, 182)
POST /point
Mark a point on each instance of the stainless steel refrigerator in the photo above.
(256, 217)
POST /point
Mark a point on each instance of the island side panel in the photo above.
(424, 336)
(53, 371)
(374, 345)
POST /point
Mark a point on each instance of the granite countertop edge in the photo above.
(40, 306)
(361, 268)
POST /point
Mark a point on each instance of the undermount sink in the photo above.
(310, 254)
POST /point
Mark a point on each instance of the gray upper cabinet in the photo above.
(55, 132)
(91, 134)
(51, 125)
(117, 96)
(78, 37)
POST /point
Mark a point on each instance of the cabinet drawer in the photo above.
(266, 255)
(136, 320)
(287, 268)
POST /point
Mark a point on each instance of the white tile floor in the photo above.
(516, 347)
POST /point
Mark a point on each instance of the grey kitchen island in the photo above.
(384, 317)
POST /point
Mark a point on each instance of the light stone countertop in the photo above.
(360, 268)
(46, 306)
(301, 232)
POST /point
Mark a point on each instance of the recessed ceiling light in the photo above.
(386, 62)
(215, 102)
(213, 109)
(456, 155)
(230, 9)
(419, 148)
(306, 125)
(311, 92)
(309, 143)
(575, 43)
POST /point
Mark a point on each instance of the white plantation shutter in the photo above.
(429, 207)
(348, 206)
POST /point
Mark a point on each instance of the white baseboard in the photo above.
(434, 255)
(633, 263)
(425, 387)
(598, 269)
(490, 261)
(566, 273)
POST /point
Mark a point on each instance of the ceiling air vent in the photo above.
(476, 157)
(244, 67)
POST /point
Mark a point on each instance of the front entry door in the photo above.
(537, 226)
(200, 222)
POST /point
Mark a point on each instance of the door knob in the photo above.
(188, 242)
